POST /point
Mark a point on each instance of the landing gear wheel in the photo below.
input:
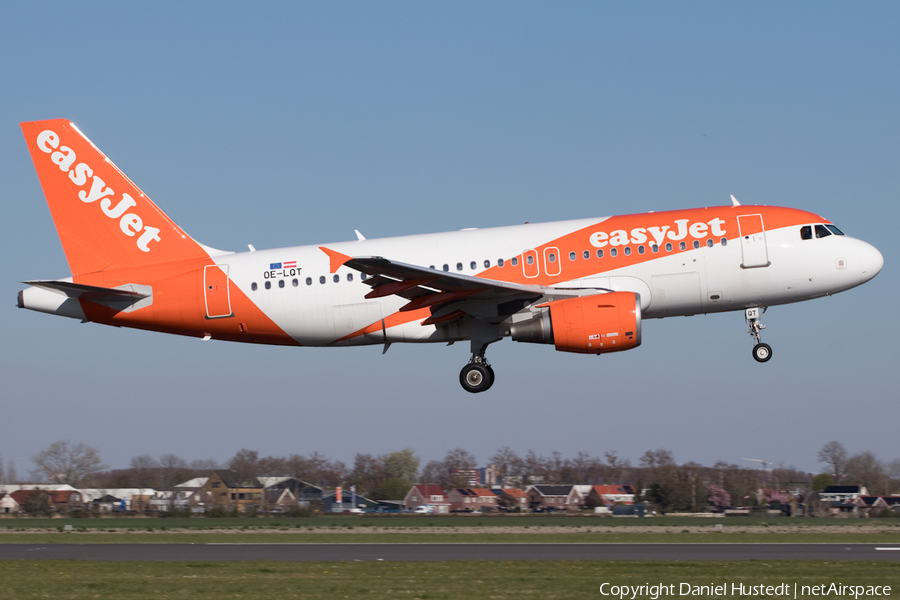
(491, 382)
(476, 377)
(762, 352)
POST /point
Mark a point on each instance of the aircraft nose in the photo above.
(870, 261)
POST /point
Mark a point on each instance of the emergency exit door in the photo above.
(216, 292)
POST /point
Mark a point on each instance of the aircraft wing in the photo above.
(425, 287)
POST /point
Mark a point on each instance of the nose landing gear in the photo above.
(761, 352)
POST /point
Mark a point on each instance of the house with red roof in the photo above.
(472, 500)
(609, 495)
(516, 498)
(427, 494)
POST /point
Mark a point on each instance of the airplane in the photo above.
(584, 286)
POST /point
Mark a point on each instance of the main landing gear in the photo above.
(478, 376)
(761, 352)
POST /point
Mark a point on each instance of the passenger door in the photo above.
(753, 241)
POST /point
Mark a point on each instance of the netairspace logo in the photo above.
(785, 590)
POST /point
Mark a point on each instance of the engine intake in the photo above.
(595, 324)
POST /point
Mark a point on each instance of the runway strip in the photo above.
(435, 552)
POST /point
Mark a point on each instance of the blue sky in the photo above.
(296, 123)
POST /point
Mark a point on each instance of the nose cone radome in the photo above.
(870, 261)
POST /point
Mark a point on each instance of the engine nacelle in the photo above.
(593, 324)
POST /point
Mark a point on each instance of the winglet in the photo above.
(734, 201)
(337, 259)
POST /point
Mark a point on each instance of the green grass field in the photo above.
(166, 537)
(416, 521)
(452, 580)
(537, 529)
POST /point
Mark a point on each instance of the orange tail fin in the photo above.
(104, 221)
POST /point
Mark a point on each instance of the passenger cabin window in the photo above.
(349, 276)
(500, 262)
(571, 256)
(337, 278)
(806, 232)
(668, 246)
(268, 285)
(487, 264)
(654, 248)
(586, 254)
(551, 257)
(473, 265)
(459, 266)
(281, 283)
(696, 244)
(682, 245)
(253, 286)
(529, 259)
(821, 231)
(599, 253)
(309, 281)
(515, 261)
(295, 283)
(709, 243)
(613, 252)
(627, 250)
(322, 279)
(446, 267)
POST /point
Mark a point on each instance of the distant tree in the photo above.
(865, 469)
(65, 462)
(2, 472)
(656, 459)
(403, 464)
(394, 488)
(615, 467)
(207, 464)
(38, 503)
(506, 461)
(434, 472)
(11, 475)
(245, 464)
(459, 458)
(368, 472)
(893, 472)
(145, 471)
(718, 497)
(820, 482)
(171, 470)
(834, 455)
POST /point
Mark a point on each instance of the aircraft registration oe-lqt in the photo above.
(584, 286)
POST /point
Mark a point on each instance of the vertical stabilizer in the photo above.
(104, 220)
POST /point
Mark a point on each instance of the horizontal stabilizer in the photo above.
(89, 292)
(124, 298)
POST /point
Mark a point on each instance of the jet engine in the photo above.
(595, 324)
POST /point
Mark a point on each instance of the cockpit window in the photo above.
(806, 232)
(821, 231)
(834, 230)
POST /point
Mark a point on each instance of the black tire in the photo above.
(491, 375)
(475, 378)
(762, 352)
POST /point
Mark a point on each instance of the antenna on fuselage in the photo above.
(359, 237)
(734, 201)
